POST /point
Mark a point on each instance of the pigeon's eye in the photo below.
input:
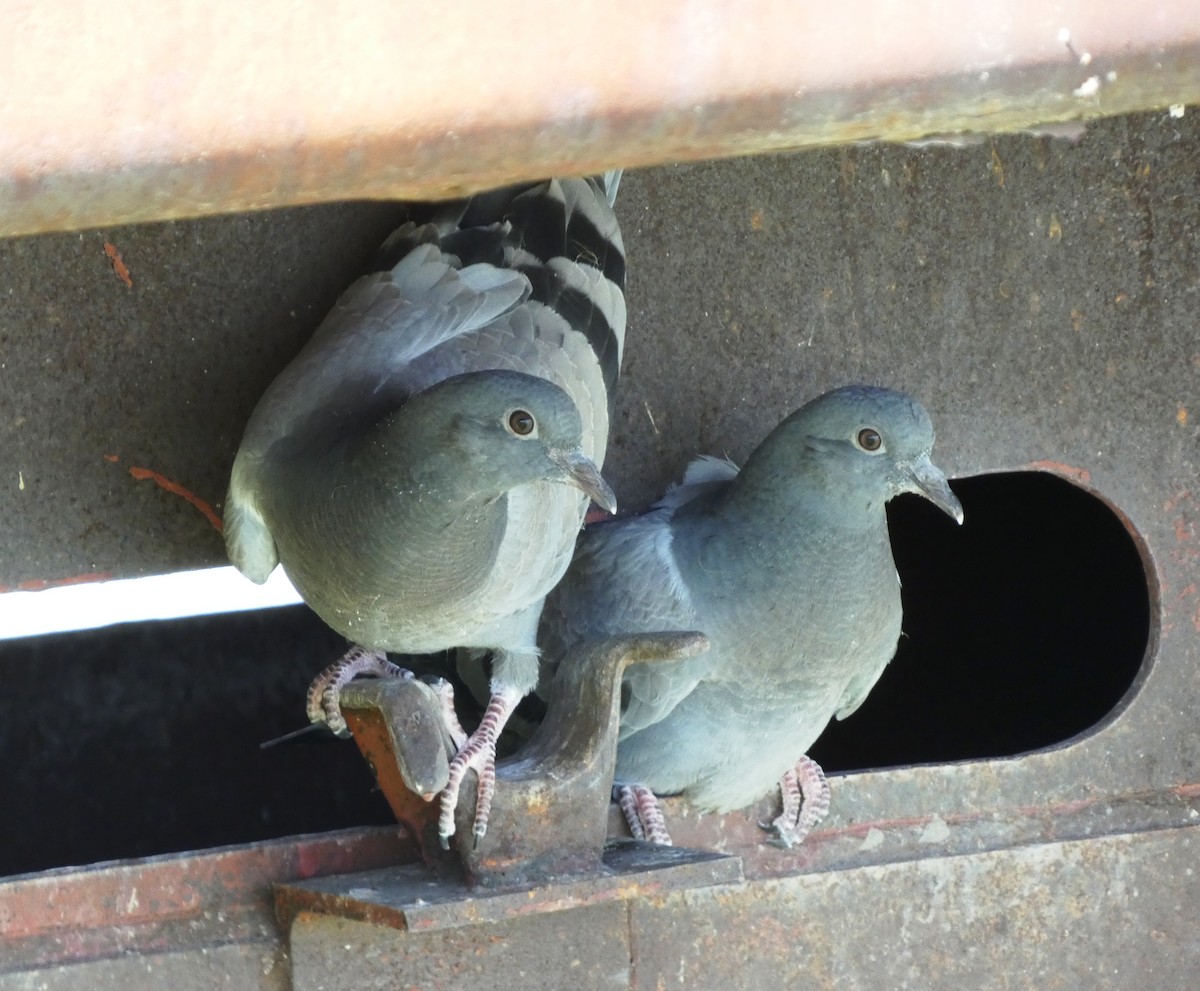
(521, 422)
(869, 440)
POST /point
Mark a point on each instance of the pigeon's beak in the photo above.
(582, 472)
(932, 484)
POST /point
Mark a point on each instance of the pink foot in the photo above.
(805, 794)
(325, 693)
(478, 754)
(445, 693)
(642, 813)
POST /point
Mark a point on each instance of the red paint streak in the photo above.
(1060, 808)
(112, 458)
(176, 489)
(1081, 475)
(118, 264)
(38, 584)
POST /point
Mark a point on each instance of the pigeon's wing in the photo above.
(872, 665)
(623, 581)
(651, 691)
(857, 691)
(361, 354)
(703, 476)
(563, 237)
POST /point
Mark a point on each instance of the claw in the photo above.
(325, 692)
(642, 813)
(478, 753)
(805, 793)
(445, 693)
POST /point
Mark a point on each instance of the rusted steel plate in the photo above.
(411, 898)
(580, 950)
(1079, 914)
(164, 111)
(172, 902)
(854, 837)
(1099, 914)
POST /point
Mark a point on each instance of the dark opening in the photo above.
(144, 739)
(1024, 627)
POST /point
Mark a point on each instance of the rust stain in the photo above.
(1183, 530)
(848, 168)
(538, 805)
(1182, 496)
(97, 904)
(175, 488)
(756, 220)
(1181, 416)
(112, 458)
(997, 168)
(118, 264)
(1076, 320)
(1080, 475)
(1121, 297)
(1055, 230)
(38, 584)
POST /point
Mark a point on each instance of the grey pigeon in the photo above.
(787, 567)
(407, 467)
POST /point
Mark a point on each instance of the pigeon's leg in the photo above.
(325, 693)
(479, 753)
(445, 693)
(642, 813)
(805, 794)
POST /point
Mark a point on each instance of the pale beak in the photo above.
(583, 474)
(932, 484)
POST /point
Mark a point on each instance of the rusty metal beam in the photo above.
(150, 111)
(172, 903)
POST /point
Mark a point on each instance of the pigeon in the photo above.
(422, 468)
(786, 566)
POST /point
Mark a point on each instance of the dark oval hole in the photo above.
(1023, 628)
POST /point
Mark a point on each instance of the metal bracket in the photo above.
(550, 811)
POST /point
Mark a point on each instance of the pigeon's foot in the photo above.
(805, 802)
(642, 813)
(325, 693)
(445, 693)
(478, 753)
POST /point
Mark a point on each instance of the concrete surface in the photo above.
(753, 285)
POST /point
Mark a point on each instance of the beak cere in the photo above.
(932, 484)
(581, 471)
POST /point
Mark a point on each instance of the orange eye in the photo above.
(521, 422)
(869, 440)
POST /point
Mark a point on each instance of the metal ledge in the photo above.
(158, 112)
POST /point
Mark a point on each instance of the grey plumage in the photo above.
(786, 566)
(356, 456)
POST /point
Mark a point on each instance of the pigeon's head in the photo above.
(502, 429)
(871, 441)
